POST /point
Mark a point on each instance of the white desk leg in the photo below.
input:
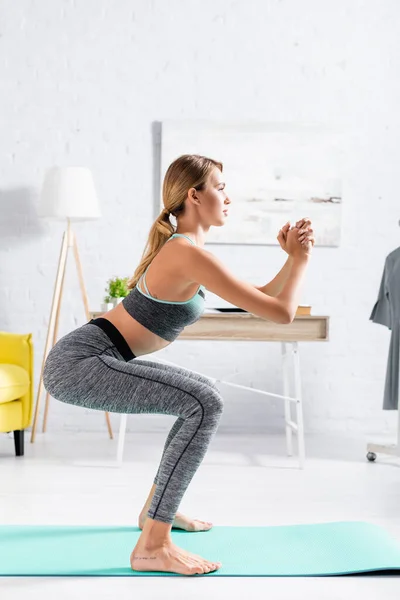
(286, 392)
(290, 425)
(121, 437)
(299, 404)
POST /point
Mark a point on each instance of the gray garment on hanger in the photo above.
(387, 312)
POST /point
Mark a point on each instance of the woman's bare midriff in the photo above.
(139, 339)
(164, 280)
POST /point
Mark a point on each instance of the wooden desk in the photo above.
(247, 327)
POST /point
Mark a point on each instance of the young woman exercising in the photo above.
(97, 364)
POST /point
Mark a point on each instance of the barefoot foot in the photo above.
(170, 558)
(180, 522)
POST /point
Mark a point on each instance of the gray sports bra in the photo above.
(164, 318)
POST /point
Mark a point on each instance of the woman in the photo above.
(96, 365)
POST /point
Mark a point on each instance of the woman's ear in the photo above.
(193, 194)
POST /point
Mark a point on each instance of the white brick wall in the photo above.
(82, 83)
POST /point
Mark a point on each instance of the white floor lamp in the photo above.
(67, 193)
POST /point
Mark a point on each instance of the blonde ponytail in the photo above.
(189, 170)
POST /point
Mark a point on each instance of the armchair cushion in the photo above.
(14, 382)
(16, 353)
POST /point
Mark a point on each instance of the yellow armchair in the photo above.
(16, 385)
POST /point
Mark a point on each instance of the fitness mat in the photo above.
(334, 548)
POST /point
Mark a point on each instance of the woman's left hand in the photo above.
(306, 233)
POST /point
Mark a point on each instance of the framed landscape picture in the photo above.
(273, 173)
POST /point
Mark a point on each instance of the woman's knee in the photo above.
(211, 400)
(212, 385)
(200, 403)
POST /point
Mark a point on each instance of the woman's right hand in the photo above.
(294, 247)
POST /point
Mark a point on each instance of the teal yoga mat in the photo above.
(318, 549)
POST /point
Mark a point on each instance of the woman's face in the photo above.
(214, 200)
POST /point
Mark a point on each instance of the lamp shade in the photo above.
(69, 193)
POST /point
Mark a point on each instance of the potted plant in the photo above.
(106, 305)
(117, 289)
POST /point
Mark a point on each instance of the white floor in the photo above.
(71, 478)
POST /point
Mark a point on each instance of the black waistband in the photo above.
(115, 336)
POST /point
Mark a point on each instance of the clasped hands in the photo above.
(301, 241)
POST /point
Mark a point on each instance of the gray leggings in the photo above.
(89, 368)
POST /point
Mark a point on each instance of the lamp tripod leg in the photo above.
(54, 306)
(46, 410)
(86, 305)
